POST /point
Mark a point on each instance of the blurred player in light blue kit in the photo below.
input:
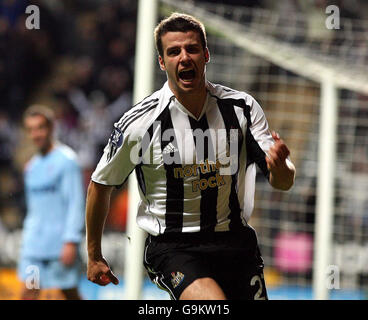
(55, 212)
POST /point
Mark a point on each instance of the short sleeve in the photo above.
(258, 139)
(116, 162)
(259, 127)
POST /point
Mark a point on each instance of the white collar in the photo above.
(169, 95)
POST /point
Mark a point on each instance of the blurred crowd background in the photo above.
(81, 63)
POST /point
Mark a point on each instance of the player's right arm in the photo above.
(119, 159)
(97, 206)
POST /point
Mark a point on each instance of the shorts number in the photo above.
(258, 294)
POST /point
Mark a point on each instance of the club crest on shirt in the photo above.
(176, 278)
(115, 141)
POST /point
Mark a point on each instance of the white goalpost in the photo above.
(143, 86)
(325, 187)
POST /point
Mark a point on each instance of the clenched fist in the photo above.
(282, 171)
(99, 272)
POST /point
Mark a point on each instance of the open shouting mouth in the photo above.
(187, 75)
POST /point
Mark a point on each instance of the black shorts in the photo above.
(232, 259)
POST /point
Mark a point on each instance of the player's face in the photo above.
(39, 132)
(184, 60)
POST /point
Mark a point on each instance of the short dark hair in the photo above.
(179, 22)
(40, 110)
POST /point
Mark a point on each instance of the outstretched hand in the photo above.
(99, 272)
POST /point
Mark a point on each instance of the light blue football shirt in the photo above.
(55, 203)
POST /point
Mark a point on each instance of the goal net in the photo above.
(283, 59)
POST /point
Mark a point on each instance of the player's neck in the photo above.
(47, 148)
(193, 102)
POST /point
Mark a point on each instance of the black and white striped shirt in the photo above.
(178, 160)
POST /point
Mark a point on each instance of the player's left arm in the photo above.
(282, 170)
(73, 192)
(271, 152)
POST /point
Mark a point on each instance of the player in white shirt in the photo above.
(193, 146)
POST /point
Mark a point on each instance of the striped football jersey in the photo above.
(194, 174)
